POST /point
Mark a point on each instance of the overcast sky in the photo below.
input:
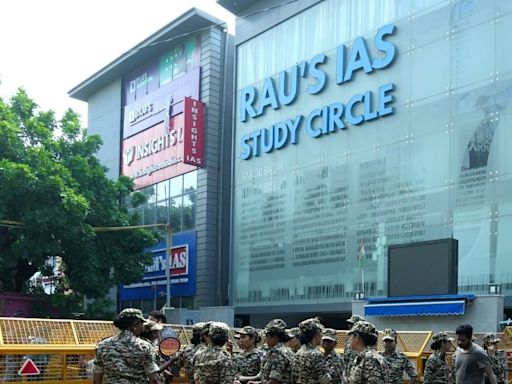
(50, 46)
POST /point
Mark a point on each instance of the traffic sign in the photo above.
(28, 368)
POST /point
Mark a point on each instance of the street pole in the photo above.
(168, 265)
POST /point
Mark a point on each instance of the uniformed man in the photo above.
(348, 354)
(398, 363)
(498, 358)
(368, 367)
(277, 367)
(125, 358)
(310, 361)
(333, 360)
(213, 365)
(437, 370)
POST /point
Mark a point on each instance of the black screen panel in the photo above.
(424, 268)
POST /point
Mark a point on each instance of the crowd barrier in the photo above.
(63, 350)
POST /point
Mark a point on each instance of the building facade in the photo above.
(361, 124)
(160, 109)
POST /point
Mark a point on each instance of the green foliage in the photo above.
(100, 309)
(51, 180)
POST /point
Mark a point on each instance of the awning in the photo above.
(437, 305)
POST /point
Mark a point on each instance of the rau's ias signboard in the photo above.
(278, 92)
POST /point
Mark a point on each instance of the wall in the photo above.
(105, 120)
(483, 314)
(208, 184)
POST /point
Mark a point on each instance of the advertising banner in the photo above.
(141, 83)
(161, 104)
(193, 111)
(155, 154)
(182, 268)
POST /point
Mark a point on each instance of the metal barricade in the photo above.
(63, 350)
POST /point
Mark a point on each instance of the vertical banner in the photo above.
(193, 132)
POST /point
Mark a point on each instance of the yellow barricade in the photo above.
(63, 350)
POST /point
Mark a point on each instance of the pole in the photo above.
(362, 279)
(168, 265)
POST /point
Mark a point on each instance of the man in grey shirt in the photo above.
(471, 361)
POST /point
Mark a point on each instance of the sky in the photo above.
(50, 46)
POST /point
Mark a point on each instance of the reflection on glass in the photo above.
(190, 181)
(149, 214)
(150, 193)
(176, 207)
(162, 190)
(161, 212)
(440, 167)
(189, 202)
(176, 186)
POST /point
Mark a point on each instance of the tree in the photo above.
(51, 181)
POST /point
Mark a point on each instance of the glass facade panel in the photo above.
(176, 186)
(180, 209)
(436, 168)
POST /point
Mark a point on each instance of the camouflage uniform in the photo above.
(397, 362)
(368, 367)
(348, 354)
(213, 365)
(437, 370)
(499, 366)
(186, 357)
(279, 360)
(185, 360)
(333, 360)
(248, 363)
(499, 360)
(125, 358)
(310, 361)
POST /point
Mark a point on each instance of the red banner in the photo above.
(179, 260)
(193, 132)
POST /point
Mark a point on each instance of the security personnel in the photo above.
(248, 363)
(213, 365)
(293, 339)
(310, 361)
(437, 370)
(125, 358)
(278, 363)
(348, 354)
(333, 360)
(397, 361)
(498, 358)
(368, 367)
(186, 357)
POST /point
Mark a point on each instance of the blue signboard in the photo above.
(183, 271)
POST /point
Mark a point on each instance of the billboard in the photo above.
(160, 104)
(166, 150)
(139, 84)
(193, 111)
(182, 270)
